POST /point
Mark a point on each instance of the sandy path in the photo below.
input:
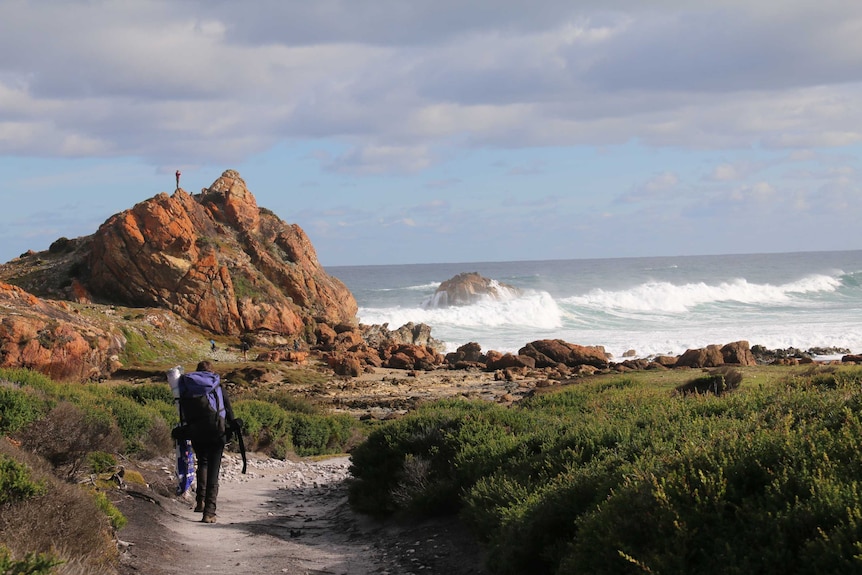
(284, 517)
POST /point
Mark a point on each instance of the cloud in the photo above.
(215, 82)
(658, 188)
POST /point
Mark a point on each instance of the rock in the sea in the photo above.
(469, 288)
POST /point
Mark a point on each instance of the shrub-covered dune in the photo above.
(619, 475)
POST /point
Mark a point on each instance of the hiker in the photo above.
(178, 179)
(212, 345)
(244, 347)
(209, 434)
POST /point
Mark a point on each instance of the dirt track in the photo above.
(283, 517)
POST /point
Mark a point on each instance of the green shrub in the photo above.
(265, 424)
(147, 393)
(133, 419)
(319, 434)
(118, 520)
(15, 482)
(100, 462)
(32, 564)
(617, 477)
(18, 407)
(26, 377)
(290, 402)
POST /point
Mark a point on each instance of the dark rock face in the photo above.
(469, 288)
(216, 260)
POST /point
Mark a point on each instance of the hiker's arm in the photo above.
(228, 409)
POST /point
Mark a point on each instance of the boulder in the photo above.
(551, 352)
(408, 356)
(378, 336)
(739, 353)
(709, 356)
(469, 352)
(509, 361)
(346, 364)
(665, 360)
(469, 288)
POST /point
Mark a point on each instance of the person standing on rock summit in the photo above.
(207, 415)
(178, 179)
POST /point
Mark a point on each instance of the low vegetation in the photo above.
(53, 436)
(620, 475)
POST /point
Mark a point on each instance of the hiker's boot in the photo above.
(200, 488)
(210, 505)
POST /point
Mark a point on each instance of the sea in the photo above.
(646, 305)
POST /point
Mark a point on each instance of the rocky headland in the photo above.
(157, 282)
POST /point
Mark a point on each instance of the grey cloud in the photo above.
(397, 81)
(724, 51)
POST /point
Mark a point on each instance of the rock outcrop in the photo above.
(469, 288)
(736, 353)
(551, 352)
(52, 339)
(214, 259)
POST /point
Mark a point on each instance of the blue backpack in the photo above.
(201, 402)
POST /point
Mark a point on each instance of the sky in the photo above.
(398, 131)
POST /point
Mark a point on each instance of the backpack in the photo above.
(201, 403)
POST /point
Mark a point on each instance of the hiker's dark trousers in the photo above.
(209, 455)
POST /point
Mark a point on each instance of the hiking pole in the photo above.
(236, 425)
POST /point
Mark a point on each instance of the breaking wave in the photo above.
(665, 297)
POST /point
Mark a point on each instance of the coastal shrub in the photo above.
(40, 520)
(100, 462)
(610, 478)
(114, 515)
(133, 420)
(290, 402)
(448, 445)
(68, 434)
(31, 564)
(320, 434)
(147, 393)
(18, 407)
(276, 431)
(15, 482)
(717, 381)
(265, 424)
(26, 377)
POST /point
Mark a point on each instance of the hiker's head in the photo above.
(205, 365)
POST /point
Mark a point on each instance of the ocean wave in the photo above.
(670, 298)
(532, 310)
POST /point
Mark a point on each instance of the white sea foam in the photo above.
(651, 306)
(532, 309)
(669, 298)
